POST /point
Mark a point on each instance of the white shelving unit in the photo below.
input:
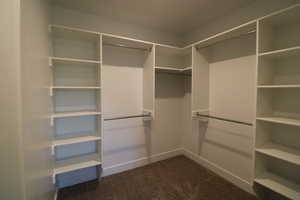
(277, 146)
(76, 64)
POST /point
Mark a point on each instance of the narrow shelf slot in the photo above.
(281, 152)
(279, 185)
(280, 120)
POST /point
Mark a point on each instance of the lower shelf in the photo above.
(73, 164)
(279, 185)
(281, 152)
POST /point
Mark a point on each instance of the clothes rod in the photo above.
(243, 34)
(125, 46)
(127, 117)
(223, 119)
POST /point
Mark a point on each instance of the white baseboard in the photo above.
(140, 162)
(243, 184)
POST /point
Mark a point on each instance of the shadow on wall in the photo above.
(125, 57)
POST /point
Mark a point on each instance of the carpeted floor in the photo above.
(177, 178)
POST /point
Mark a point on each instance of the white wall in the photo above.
(35, 82)
(11, 173)
(92, 22)
(253, 11)
(25, 145)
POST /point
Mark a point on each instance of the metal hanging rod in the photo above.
(243, 34)
(125, 46)
(224, 119)
(128, 117)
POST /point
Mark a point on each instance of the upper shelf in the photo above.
(173, 70)
(282, 17)
(76, 33)
(246, 28)
(123, 42)
(169, 50)
(281, 52)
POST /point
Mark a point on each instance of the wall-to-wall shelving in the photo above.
(277, 89)
(277, 147)
(76, 117)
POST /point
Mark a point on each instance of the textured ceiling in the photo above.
(178, 16)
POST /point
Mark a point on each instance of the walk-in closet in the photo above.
(146, 100)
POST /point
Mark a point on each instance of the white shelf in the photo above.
(279, 86)
(281, 52)
(228, 34)
(72, 164)
(67, 141)
(280, 120)
(279, 185)
(281, 152)
(75, 87)
(55, 27)
(71, 88)
(72, 60)
(172, 69)
(72, 114)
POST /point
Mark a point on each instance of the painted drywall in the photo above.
(253, 11)
(11, 184)
(35, 82)
(88, 21)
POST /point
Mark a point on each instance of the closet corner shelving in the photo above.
(173, 60)
(277, 146)
(76, 100)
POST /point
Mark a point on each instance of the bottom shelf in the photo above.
(279, 185)
(77, 163)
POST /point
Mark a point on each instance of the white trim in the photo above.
(140, 162)
(243, 184)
